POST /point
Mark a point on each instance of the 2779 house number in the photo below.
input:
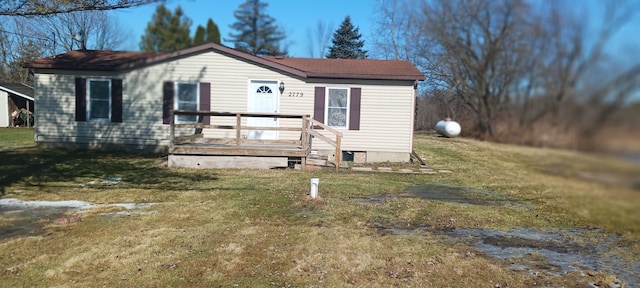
(296, 94)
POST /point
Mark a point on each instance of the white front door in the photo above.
(263, 97)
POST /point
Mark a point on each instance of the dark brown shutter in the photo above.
(167, 101)
(354, 109)
(205, 101)
(318, 104)
(81, 99)
(116, 100)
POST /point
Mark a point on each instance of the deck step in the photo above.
(317, 162)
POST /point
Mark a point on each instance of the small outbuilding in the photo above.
(211, 104)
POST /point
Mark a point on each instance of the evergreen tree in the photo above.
(167, 31)
(199, 37)
(213, 33)
(257, 32)
(346, 42)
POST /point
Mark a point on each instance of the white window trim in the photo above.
(326, 107)
(177, 93)
(88, 92)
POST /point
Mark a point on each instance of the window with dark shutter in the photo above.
(336, 108)
(98, 99)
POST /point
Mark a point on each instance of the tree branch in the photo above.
(38, 8)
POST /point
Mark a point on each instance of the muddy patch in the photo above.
(554, 253)
(375, 199)
(31, 222)
(462, 195)
(451, 194)
(30, 218)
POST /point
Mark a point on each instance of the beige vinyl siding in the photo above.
(142, 99)
(55, 97)
(385, 122)
(386, 118)
(230, 79)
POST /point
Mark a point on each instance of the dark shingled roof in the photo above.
(106, 60)
(352, 68)
(18, 88)
(95, 60)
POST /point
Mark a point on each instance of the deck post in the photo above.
(304, 134)
(172, 132)
(338, 157)
(306, 146)
(238, 123)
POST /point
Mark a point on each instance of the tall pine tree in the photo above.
(257, 32)
(167, 31)
(198, 38)
(211, 34)
(346, 42)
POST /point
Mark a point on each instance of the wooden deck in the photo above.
(194, 146)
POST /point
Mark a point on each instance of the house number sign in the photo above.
(296, 94)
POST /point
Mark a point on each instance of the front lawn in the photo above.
(259, 228)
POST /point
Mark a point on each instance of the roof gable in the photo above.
(107, 60)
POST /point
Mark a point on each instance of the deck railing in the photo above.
(308, 129)
(314, 131)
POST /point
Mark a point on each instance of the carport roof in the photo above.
(19, 89)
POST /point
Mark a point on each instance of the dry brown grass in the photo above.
(258, 228)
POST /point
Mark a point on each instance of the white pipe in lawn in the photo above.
(314, 187)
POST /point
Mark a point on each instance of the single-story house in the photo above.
(115, 99)
(16, 105)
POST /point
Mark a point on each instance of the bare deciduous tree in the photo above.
(395, 37)
(24, 38)
(80, 30)
(530, 73)
(477, 52)
(18, 45)
(318, 40)
(49, 7)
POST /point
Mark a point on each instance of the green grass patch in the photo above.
(16, 138)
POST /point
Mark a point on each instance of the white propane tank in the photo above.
(448, 128)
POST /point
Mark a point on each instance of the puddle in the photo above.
(28, 222)
(554, 252)
(28, 218)
(536, 252)
(544, 252)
